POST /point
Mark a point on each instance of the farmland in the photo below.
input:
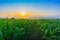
(29, 29)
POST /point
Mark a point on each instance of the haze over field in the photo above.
(30, 8)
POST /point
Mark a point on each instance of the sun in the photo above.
(23, 13)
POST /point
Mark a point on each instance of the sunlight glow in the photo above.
(23, 13)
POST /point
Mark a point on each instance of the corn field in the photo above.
(29, 29)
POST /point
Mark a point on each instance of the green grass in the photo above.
(29, 29)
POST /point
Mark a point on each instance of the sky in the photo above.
(35, 8)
